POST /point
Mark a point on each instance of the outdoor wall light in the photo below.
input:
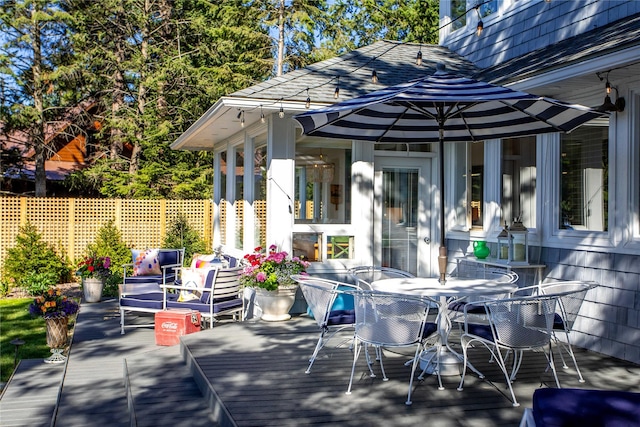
(607, 105)
(618, 106)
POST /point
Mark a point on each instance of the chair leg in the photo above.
(121, 322)
(356, 353)
(507, 376)
(552, 365)
(413, 372)
(465, 359)
(569, 350)
(319, 346)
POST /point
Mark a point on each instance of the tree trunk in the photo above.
(280, 59)
(38, 103)
(134, 164)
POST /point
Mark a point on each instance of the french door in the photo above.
(402, 214)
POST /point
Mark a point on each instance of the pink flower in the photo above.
(261, 276)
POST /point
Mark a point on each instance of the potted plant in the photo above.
(55, 309)
(270, 275)
(93, 270)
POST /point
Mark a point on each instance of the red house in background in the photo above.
(70, 144)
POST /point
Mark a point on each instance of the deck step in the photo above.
(161, 391)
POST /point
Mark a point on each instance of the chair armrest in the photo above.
(125, 267)
(138, 288)
(170, 266)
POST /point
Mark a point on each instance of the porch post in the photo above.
(280, 181)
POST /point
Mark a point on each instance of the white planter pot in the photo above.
(92, 289)
(275, 305)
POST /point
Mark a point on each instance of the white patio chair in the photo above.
(392, 320)
(331, 307)
(571, 295)
(364, 275)
(456, 306)
(514, 325)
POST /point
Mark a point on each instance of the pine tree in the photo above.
(33, 52)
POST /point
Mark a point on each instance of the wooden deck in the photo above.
(256, 372)
(252, 374)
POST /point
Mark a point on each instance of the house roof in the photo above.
(394, 62)
(616, 37)
(554, 70)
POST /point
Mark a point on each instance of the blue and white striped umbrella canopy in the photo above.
(444, 107)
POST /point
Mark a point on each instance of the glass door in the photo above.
(402, 215)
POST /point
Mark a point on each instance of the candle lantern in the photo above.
(518, 243)
(503, 244)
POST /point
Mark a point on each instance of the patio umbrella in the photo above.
(443, 108)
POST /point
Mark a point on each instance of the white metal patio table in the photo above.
(449, 360)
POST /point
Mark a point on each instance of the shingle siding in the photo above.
(609, 320)
(534, 26)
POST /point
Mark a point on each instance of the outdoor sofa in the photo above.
(213, 289)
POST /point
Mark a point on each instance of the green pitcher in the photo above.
(480, 249)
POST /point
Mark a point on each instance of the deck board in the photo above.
(257, 370)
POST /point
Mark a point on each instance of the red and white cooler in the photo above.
(171, 324)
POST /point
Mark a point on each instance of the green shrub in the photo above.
(181, 235)
(39, 283)
(109, 243)
(32, 260)
(4, 288)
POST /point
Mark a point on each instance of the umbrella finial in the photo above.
(441, 68)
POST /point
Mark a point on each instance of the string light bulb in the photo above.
(608, 85)
(374, 77)
(307, 104)
(419, 56)
(262, 119)
(281, 112)
(480, 25)
(336, 93)
(242, 118)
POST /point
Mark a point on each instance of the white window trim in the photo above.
(549, 200)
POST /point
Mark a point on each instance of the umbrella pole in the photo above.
(442, 255)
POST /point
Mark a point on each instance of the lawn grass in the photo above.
(16, 322)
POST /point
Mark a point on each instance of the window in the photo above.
(584, 170)
(518, 197)
(465, 201)
(458, 10)
(239, 196)
(400, 218)
(488, 7)
(223, 197)
(477, 183)
(306, 246)
(260, 196)
(323, 185)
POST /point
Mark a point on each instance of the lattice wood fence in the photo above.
(72, 224)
